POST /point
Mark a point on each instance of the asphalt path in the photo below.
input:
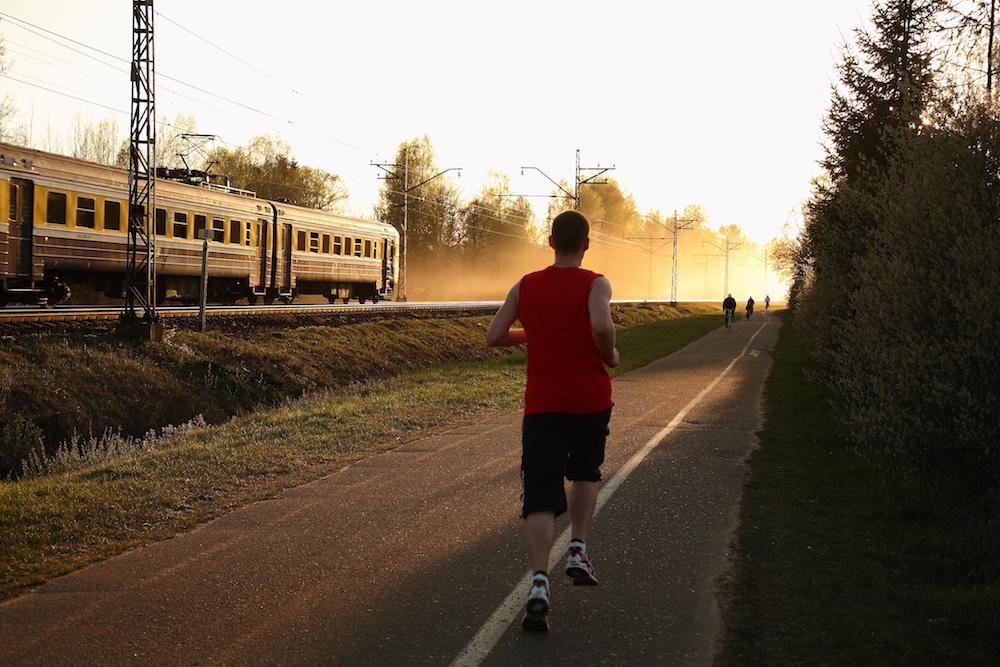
(407, 557)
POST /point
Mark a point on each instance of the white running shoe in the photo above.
(578, 567)
(536, 611)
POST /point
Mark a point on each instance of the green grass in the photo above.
(55, 524)
(833, 567)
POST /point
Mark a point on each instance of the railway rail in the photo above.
(98, 313)
(13, 315)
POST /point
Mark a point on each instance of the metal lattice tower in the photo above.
(678, 226)
(140, 268)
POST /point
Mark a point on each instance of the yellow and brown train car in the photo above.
(63, 227)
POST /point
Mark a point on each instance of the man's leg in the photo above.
(539, 534)
(582, 500)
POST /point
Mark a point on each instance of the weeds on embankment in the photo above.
(101, 387)
(833, 566)
(54, 524)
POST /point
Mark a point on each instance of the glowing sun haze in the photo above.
(717, 104)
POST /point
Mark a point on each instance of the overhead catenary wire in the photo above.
(21, 23)
(233, 56)
(54, 37)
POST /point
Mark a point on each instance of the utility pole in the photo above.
(730, 245)
(989, 52)
(392, 173)
(140, 257)
(678, 226)
(578, 181)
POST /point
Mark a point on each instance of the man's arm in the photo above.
(500, 334)
(599, 304)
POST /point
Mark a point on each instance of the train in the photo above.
(66, 233)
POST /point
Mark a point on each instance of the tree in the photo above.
(433, 211)
(610, 205)
(490, 221)
(974, 41)
(885, 91)
(169, 143)
(265, 166)
(10, 133)
(96, 141)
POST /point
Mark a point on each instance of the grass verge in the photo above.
(55, 524)
(833, 567)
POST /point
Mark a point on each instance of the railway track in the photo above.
(113, 313)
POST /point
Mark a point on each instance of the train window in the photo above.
(326, 244)
(300, 241)
(247, 237)
(313, 242)
(112, 215)
(200, 222)
(15, 191)
(236, 232)
(375, 250)
(180, 225)
(161, 222)
(85, 212)
(55, 204)
(357, 247)
(338, 249)
(368, 248)
(219, 227)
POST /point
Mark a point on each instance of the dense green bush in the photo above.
(20, 437)
(899, 264)
(920, 367)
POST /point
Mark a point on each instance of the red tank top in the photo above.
(565, 369)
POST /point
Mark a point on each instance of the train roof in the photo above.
(27, 161)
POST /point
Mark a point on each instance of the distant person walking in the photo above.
(729, 308)
(749, 307)
(566, 314)
(767, 302)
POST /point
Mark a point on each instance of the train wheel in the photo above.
(252, 300)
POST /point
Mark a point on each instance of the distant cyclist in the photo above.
(767, 302)
(749, 307)
(729, 307)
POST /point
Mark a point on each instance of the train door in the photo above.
(262, 247)
(286, 258)
(387, 252)
(21, 231)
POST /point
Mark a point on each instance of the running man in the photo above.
(729, 308)
(566, 314)
(749, 307)
(767, 303)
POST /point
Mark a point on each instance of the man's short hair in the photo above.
(569, 229)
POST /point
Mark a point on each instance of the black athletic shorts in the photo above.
(557, 445)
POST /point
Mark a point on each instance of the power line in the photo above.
(286, 121)
(233, 56)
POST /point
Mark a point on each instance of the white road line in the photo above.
(498, 622)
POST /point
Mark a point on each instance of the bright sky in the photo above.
(711, 103)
